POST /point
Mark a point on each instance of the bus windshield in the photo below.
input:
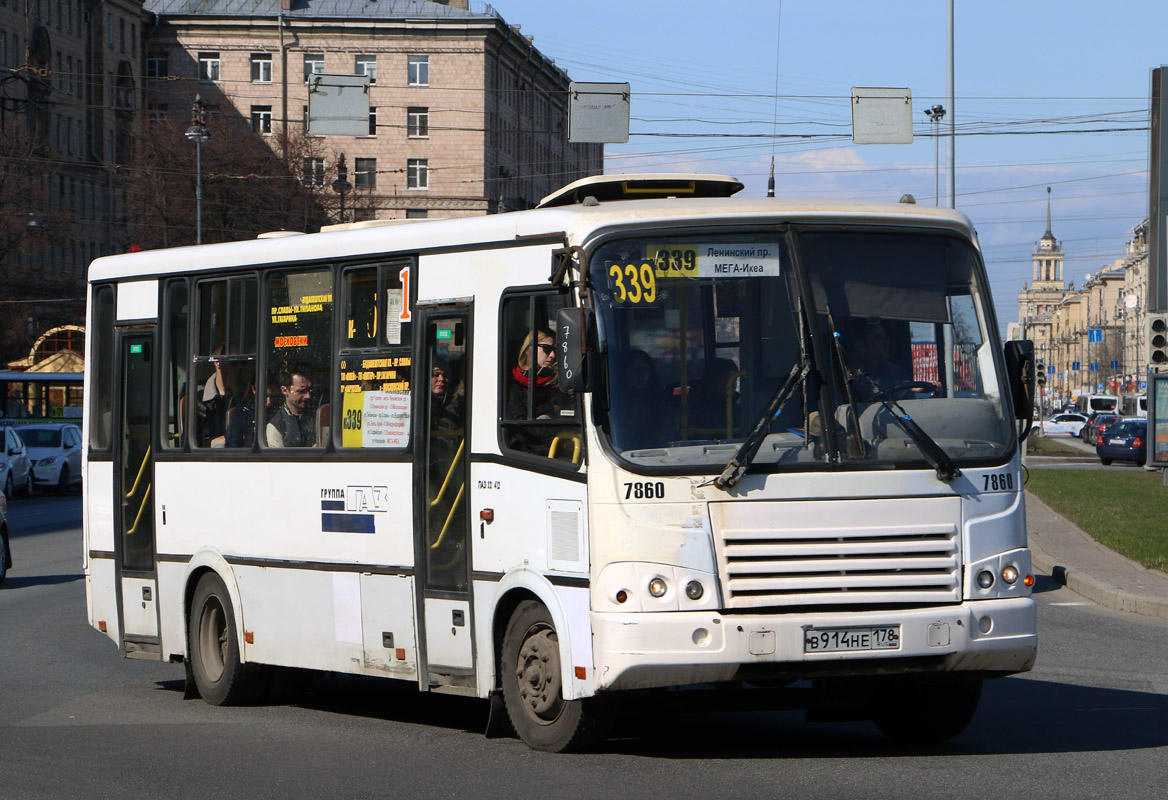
(700, 332)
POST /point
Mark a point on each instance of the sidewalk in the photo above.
(1063, 550)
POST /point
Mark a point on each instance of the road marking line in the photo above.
(1081, 603)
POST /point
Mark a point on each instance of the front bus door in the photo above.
(133, 491)
(441, 470)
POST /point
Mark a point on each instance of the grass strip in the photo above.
(1123, 509)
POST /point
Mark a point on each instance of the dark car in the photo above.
(5, 553)
(1126, 440)
(1096, 424)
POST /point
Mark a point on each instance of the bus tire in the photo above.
(926, 712)
(532, 691)
(213, 644)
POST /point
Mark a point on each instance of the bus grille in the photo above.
(847, 552)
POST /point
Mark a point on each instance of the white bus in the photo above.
(645, 436)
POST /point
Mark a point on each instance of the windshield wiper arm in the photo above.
(933, 452)
(740, 463)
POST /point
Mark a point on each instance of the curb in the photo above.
(1135, 597)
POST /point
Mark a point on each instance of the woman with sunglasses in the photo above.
(533, 392)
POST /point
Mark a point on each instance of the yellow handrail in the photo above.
(141, 508)
(560, 437)
(449, 517)
(141, 472)
(730, 401)
(449, 473)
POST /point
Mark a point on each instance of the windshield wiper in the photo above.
(742, 459)
(933, 452)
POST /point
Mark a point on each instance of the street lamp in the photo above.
(341, 185)
(935, 115)
(198, 134)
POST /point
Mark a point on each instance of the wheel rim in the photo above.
(212, 640)
(537, 673)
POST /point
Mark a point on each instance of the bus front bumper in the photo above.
(647, 650)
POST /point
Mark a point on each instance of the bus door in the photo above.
(133, 491)
(441, 473)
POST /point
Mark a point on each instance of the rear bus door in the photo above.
(441, 472)
(133, 492)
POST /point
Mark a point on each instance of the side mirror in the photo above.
(576, 346)
(1020, 370)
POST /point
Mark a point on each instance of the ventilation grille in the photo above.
(873, 561)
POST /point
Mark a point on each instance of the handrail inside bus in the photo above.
(560, 437)
(141, 508)
(449, 474)
(141, 472)
(449, 517)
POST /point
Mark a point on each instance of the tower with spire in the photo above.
(1047, 287)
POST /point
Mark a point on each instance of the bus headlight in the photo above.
(658, 587)
(694, 590)
(985, 579)
(1010, 574)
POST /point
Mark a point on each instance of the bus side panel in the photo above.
(98, 522)
(297, 537)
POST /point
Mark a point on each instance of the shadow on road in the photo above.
(1017, 716)
(23, 581)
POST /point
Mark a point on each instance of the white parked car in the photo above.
(15, 466)
(1069, 424)
(55, 451)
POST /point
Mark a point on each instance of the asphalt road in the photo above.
(77, 721)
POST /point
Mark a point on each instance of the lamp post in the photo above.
(198, 134)
(935, 115)
(341, 185)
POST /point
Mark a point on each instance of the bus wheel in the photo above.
(213, 646)
(923, 712)
(532, 690)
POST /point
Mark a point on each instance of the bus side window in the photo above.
(224, 362)
(537, 417)
(299, 347)
(177, 363)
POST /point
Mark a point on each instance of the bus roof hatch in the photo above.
(644, 186)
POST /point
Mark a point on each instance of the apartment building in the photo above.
(466, 116)
(71, 89)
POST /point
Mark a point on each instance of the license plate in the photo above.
(1115, 441)
(836, 640)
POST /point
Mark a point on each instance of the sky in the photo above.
(1047, 93)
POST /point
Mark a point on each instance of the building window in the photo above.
(156, 115)
(313, 65)
(365, 173)
(417, 173)
(372, 121)
(367, 65)
(418, 123)
(261, 119)
(419, 70)
(261, 68)
(156, 65)
(208, 66)
(417, 213)
(314, 171)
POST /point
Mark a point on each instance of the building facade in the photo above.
(71, 89)
(465, 115)
(1089, 340)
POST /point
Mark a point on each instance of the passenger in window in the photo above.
(533, 393)
(715, 406)
(241, 419)
(219, 393)
(642, 408)
(446, 397)
(294, 423)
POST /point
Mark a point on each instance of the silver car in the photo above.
(15, 466)
(55, 451)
